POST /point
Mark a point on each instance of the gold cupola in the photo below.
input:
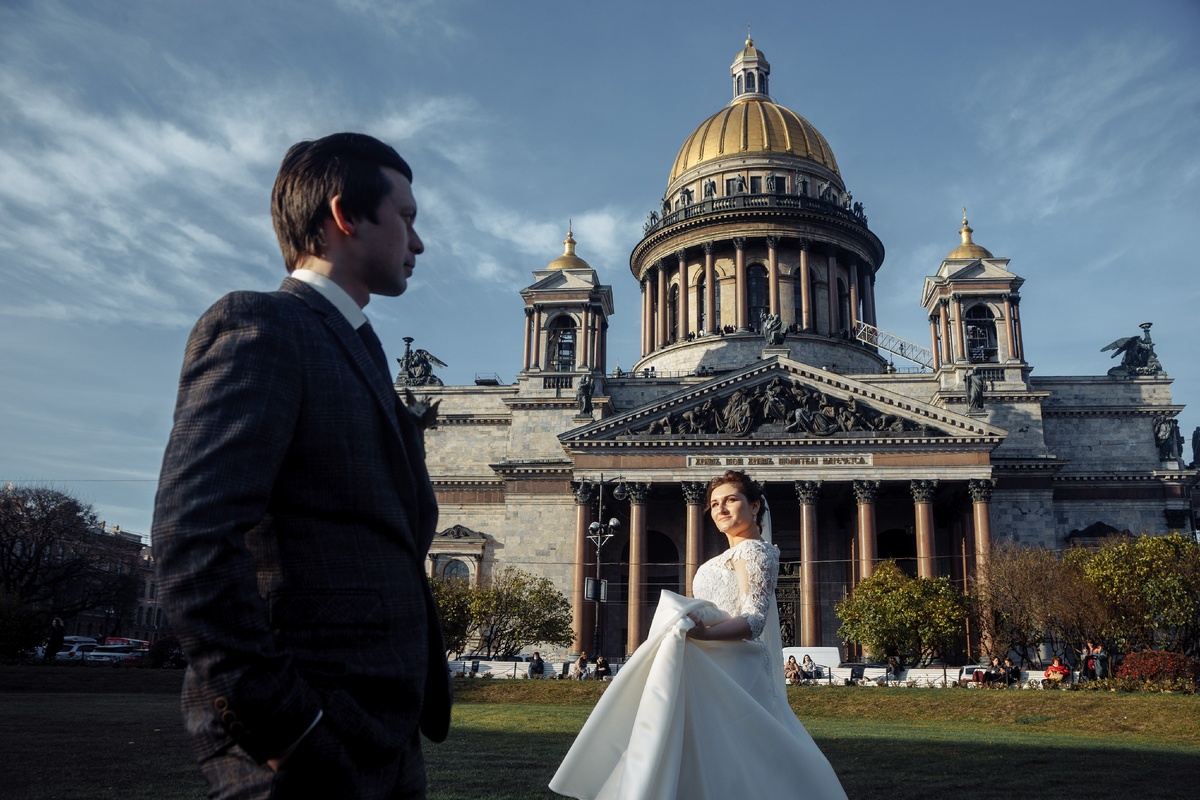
(752, 124)
(968, 249)
(568, 260)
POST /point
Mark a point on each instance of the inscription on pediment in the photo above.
(844, 460)
(781, 407)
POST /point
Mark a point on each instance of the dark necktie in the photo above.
(375, 348)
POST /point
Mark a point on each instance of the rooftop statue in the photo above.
(416, 367)
(976, 384)
(1137, 355)
(1168, 438)
(583, 393)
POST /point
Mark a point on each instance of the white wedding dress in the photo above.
(702, 720)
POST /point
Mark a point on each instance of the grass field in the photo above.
(71, 732)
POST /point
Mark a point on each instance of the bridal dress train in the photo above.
(699, 719)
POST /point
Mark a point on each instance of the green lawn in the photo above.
(105, 733)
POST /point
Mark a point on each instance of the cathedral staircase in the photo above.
(910, 351)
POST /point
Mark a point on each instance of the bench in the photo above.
(827, 659)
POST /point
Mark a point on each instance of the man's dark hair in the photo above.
(313, 173)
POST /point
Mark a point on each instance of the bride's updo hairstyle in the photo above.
(745, 485)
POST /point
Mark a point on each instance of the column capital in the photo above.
(981, 489)
(694, 492)
(681, 254)
(808, 491)
(709, 247)
(922, 491)
(805, 244)
(866, 491)
(772, 242)
(739, 242)
(582, 491)
(638, 493)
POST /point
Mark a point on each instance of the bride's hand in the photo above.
(699, 629)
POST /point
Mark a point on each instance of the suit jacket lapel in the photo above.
(385, 394)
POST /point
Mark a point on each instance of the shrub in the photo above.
(1157, 666)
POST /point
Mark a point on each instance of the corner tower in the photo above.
(756, 225)
(566, 317)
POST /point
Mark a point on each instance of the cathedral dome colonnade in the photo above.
(756, 220)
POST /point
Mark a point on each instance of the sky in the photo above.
(139, 140)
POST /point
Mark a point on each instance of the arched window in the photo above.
(981, 334)
(750, 82)
(763, 84)
(701, 302)
(843, 306)
(756, 294)
(739, 84)
(673, 315)
(562, 345)
(456, 570)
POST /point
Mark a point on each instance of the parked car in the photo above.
(109, 653)
(136, 658)
(74, 652)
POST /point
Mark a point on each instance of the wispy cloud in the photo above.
(1076, 126)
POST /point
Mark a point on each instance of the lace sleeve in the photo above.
(761, 561)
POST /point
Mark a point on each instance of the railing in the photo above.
(715, 205)
(558, 381)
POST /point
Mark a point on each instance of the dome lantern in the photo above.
(749, 72)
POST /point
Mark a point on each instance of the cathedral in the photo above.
(760, 350)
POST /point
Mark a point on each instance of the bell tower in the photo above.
(974, 305)
(566, 317)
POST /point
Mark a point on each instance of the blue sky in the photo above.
(139, 141)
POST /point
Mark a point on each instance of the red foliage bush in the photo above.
(1157, 665)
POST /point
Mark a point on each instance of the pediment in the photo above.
(559, 279)
(461, 534)
(783, 401)
(980, 269)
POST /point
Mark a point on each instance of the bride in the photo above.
(700, 710)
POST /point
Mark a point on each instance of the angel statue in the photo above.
(416, 367)
(1137, 355)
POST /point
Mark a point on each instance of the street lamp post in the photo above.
(599, 534)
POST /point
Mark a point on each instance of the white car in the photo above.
(109, 653)
(74, 652)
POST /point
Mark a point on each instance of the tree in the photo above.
(54, 555)
(1026, 597)
(1150, 589)
(517, 609)
(914, 619)
(453, 598)
(21, 628)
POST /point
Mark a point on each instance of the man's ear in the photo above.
(340, 219)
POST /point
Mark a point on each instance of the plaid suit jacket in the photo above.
(293, 516)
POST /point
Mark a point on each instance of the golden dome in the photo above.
(968, 249)
(568, 260)
(753, 126)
